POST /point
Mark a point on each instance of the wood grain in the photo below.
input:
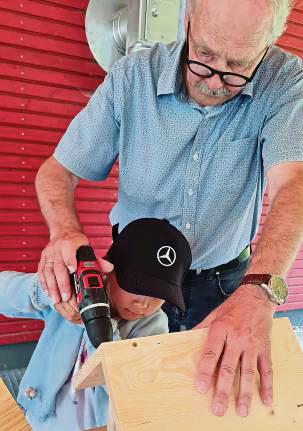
(11, 416)
(151, 385)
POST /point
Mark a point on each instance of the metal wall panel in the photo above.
(47, 76)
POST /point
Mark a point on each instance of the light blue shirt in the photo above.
(202, 168)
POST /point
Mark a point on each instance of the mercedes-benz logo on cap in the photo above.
(166, 255)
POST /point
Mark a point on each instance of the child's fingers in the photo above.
(68, 312)
(73, 303)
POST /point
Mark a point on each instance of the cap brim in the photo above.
(147, 285)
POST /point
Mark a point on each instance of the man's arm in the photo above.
(283, 230)
(240, 329)
(55, 189)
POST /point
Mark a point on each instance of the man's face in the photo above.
(229, 36)
(129, 306)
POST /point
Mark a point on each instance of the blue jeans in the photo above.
(202, 294)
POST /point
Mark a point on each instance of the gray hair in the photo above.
(281, 10)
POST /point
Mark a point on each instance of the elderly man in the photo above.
(199, 127)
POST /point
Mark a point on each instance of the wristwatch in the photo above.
(274, 285)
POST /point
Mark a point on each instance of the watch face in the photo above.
(279, 288)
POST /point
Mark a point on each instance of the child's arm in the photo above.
(21, 295)
(155, 324)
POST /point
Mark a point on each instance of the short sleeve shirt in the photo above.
(202, 168)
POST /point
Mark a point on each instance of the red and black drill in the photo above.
(91, 297)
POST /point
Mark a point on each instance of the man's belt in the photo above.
(232, 264)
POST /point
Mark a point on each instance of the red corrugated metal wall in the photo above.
(47, 75)
(292, 41)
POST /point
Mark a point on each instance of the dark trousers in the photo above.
(203, 293)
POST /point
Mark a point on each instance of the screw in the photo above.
(154, 12)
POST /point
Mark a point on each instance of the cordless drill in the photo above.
(91, 297)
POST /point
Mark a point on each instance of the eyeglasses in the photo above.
(205, 71)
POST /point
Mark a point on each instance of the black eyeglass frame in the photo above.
(213, 71)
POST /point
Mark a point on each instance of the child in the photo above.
(151, 258)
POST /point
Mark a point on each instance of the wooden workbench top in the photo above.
(11, 416)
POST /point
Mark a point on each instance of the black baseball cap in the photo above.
(151, 258)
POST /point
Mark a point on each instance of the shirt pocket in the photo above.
(237, 164)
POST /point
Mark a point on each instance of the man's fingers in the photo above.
(62, 277)
(209, 359)
(68, 251)
(225, 380)
(105, 266)
(266, 377)
(73, 302)
(51, 281)
(41, 275)
(67, 264)
(247, 381)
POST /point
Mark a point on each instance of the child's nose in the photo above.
(141, 302)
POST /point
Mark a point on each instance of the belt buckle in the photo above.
(198, 271)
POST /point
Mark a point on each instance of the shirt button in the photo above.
(190, 192)
(195, 157)
(188, 226)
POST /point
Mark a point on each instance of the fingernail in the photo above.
(243, 410)
(202, 386)
(219, 409)
(71, 269)
(65, 297)
(54, 299)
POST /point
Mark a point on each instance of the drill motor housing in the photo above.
(91, 297)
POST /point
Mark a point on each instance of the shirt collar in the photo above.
(171, 80)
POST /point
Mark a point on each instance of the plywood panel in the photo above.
(151, 385)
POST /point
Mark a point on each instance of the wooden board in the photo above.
(91, 374)
(11, 416)
(151, 385)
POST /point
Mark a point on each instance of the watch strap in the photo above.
(256, 279)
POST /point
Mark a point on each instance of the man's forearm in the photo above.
(55, 190)
(282, 232)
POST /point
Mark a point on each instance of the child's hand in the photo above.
(69, 310)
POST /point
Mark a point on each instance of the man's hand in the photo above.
(58, 259)
(239, 336)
